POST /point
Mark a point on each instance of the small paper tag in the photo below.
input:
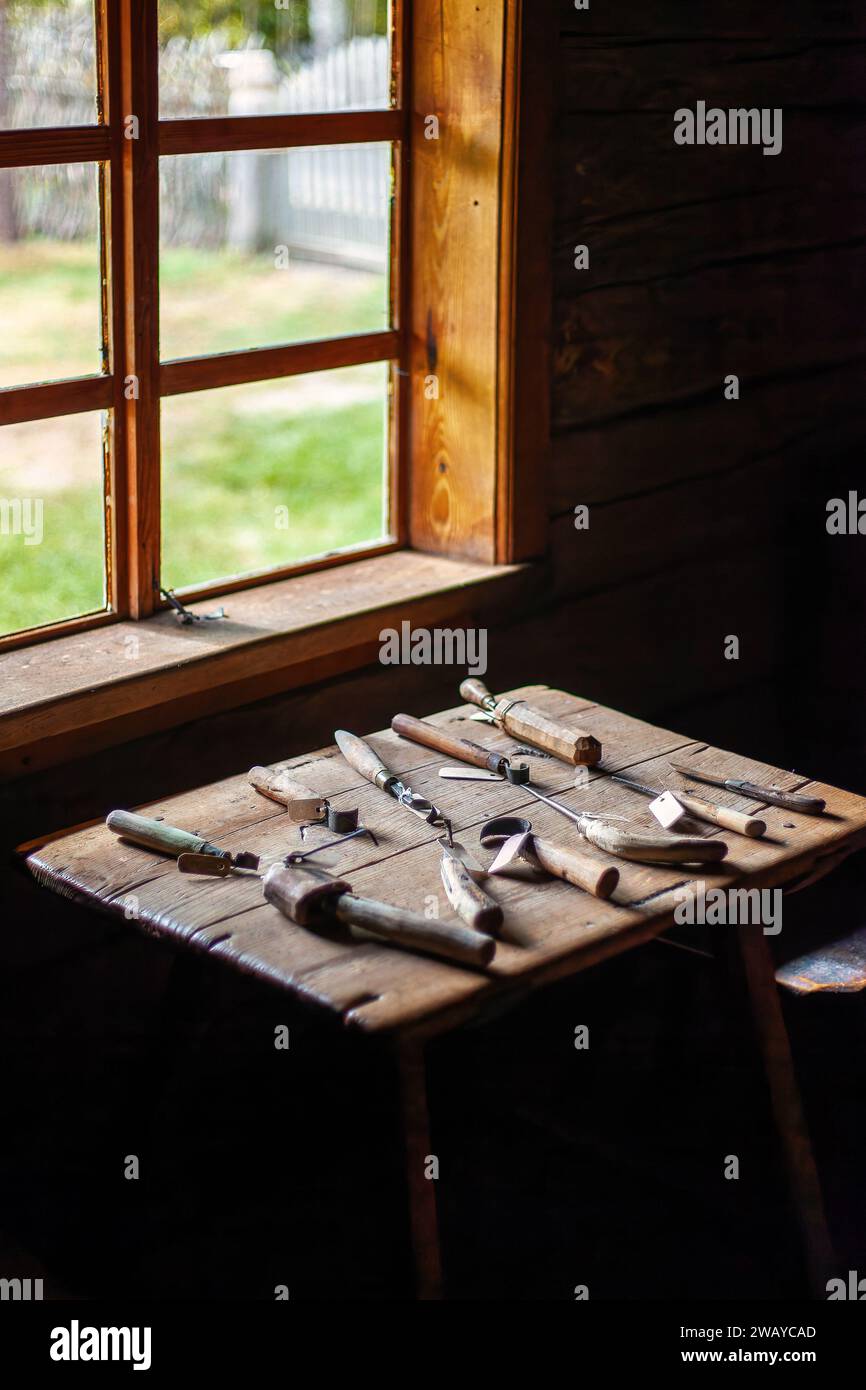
(667, 810)
(307, 809)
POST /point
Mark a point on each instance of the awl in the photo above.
(791, 801)
(626, 844)
(710, 811)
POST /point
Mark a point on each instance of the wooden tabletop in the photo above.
(551, 929)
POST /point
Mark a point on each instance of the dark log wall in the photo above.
(707, 516)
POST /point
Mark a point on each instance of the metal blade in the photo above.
(635, 786)
(698, 775)
(466, 857)
(512, 849)
(470, 774)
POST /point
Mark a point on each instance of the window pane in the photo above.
(50, 277)
(52, 549)
(261, 247)
(47, 63)
(254, 57)
(266, 474)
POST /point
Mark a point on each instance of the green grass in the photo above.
(230, 458)
(251, 491)
(61, 577)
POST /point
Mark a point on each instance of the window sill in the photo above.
(73, 695)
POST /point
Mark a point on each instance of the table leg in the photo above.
(422, 1191)
(769, 1022)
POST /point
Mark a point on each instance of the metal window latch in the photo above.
(185, 616)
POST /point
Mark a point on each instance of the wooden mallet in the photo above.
(307, 895)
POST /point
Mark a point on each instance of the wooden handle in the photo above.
(523, 721)
(475, 692)
(443, 742)
(575, 867)
(571, 745)
(359, 755)
(791, 801)
(652, 849)
(724, 816)
(281, 786)
(367, 920)
(155, 834)
(477, 908)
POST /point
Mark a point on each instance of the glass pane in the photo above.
(258, 57)
(50, 278)
(262, 247)
(262, 475)
(52, 547)
(47, 63)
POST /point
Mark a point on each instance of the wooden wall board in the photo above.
(550, 929)
(626, 458)
(654, 20)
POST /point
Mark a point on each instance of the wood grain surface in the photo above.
(550, 929)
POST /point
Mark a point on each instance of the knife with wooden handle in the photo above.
(523, 721)
(791, 801)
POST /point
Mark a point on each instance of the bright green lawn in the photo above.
(230, 458)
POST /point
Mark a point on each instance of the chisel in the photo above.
(626, 844)
(791, 801)
(724, 816)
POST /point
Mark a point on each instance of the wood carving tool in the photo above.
(460, 879)
(495, 765)
(515, 836)
(791, 801)
(362, 758)
(155, 834)
(462, 889)
(301, 803)
(626, 844)
(523, 721)
(686, 804)
(307, 896)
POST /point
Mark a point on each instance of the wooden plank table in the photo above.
(551, 930)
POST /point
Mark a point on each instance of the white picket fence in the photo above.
(326, 203)
(339, 196)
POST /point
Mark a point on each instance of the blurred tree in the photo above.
(282, 27)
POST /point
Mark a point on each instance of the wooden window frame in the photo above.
(127, 83)
(470, 288)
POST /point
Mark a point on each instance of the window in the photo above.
(203, 350)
